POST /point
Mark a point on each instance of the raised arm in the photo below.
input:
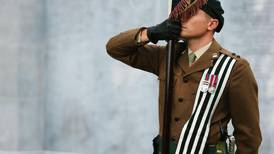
(125, 48)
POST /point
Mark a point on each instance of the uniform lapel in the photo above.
(183, 61)
(182, 56)
(205, 61)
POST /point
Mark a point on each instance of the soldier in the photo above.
(205, 73)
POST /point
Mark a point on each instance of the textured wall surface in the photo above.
(83, 82)
(60, 91)
(34, 152)
(22, 44)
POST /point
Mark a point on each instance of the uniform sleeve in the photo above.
(124, 47)
(243, 102)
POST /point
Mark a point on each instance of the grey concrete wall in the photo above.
(34, 152)
(22, 45)
(60, 91)
(249, 32)
(83, 82)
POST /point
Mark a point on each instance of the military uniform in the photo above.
(239, 100)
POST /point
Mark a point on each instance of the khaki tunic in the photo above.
(239, 101)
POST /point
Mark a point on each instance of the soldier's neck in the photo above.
(196, 43)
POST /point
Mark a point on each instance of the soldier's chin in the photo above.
(190, 36)
(185, 37)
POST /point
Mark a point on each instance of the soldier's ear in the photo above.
(213, 24)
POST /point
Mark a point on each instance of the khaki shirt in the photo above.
(238, 103)
(198, 53)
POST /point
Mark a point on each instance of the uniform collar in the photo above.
(198, 53)
(205, 61)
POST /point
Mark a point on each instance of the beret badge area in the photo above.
(184, 9)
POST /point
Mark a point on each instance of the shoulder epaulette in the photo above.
(231, 54)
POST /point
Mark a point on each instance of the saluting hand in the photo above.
(167, 30)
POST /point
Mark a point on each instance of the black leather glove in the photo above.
(167, 30)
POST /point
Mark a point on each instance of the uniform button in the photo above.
(177, 119)
(173, 139)
(185, 80)
(181, 99)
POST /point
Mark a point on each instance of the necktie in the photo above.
(192, 58)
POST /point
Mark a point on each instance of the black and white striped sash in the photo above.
(195, 132)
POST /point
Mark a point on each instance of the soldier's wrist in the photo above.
(143, 35)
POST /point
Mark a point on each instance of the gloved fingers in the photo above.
(174, 36)
(176, 31)
(174, 22)
(174, 28)
(171, 28)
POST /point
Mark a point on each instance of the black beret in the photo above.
(214, 9)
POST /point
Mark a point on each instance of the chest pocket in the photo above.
(162, 85)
